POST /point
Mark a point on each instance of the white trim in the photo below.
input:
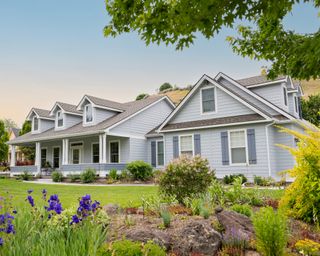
(54, 147)
(295, 104)
(157, 163)
(33, 131)
(267, 83)
(95, 143)
(53, 110)
(214, 126)
(246, 145)
(126, 135)
(215, 100)
(84, 119)
(119, 149)
(292, 91)
(285, 97)
(269, 104)
(57, 121)
(138, 112)
(268, 148)
(197, 85)
(40, 117)
(192, 141)
(77, 147)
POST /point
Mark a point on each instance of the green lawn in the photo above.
(125, 196)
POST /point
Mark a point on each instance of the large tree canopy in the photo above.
(4, 137)
(29, 152)
(178, 21)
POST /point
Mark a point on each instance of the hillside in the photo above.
(309, 88)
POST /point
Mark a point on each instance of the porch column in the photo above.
(37, 161)
(13, 156)
(65, 151)
(104, 148)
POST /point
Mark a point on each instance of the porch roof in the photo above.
(80, 130)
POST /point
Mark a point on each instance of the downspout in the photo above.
(268, 147)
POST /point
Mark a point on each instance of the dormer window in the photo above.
(285, 96)
(208, 100)
(59, 119)
(35, 124)
(88, 113)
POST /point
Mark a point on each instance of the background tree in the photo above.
(165, 86)
(311, 109)
(142, 96)
(178, 23)
(9, 124)
(29, 152)
(4, 137)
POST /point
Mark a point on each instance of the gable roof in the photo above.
(102, 103)
(15, 131)
(40, 113)
(67, 108)
(132, 108)
(260, 80)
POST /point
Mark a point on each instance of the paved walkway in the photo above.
(50, 182)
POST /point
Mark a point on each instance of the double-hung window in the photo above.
(43, 157)
(186, 145)
(114, 150)
(95, 152)
(238, 148)
(208, 100)
(285, 96)
(35, 124)
(88, 113)
(296, 104)
(160, 153)
(59, 119)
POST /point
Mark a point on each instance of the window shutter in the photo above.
(252, 146)
(175, 146)
(197, 144)
(225, 148)
(153, 154)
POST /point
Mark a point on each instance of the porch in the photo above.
(72, 156)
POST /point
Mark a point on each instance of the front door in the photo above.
(56, 158)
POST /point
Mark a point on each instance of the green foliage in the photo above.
(142, 96)
(158, 22)
(263, 181)
(113, 174)
(271, 232)
(186, 177)
(29, 152)
(74, 177)
(195, 204)
(242, 209)
(302, 197)
(205, 212)
(140, 170)
(57, 176)
(9, 124)
(229, 179)
(26, 176)
(4, 137)
(165, 86)
(88, 176)
(311, 109)
(308, 247)
(125, 175)
(166, 218)
(152, 249)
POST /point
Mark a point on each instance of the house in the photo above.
(96, 133)
(232, 123)
(14, 133)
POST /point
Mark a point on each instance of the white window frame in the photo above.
(53, 148)
(285, 95)
(80, 151)
(41, 155)
(57, 119)
(85, 114)
(157, 162)
(119, 144)
(295, 104)
(215, 100)
(192, 141)
(95, 143)
(33, 130)
(246, 145)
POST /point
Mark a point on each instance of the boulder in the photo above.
(235, 225)
(111, 209)
(197, 237)
(145, 234)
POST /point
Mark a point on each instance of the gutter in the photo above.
(268, 146)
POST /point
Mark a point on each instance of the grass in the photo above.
(124, 196)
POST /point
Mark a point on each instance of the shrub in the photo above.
(186, 177)
(271, 231)
(229, 179)
(157, 175)
(166, 218)
(57, 176)
(302, 197)
(142, 96)
(113, 174)
(195, 204)
(74, 177)
(205, 212)
(140, 170)
(125, 175)
(26, 176)
(262, 181)
(242, 209)
(88, 176)
(165, 86)
(152, 249)
(308, 247)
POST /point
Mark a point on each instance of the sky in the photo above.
(56, 51)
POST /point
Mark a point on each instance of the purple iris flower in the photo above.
(2, 219)
(10, 229)
(30, 191)
(44, 194)
(31, 201)
(54, 204)
(1, 241)
(75, 219)
(14, 211)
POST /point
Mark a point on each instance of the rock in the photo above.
(235, 225)
(251, 253)
(218, 209)
(197, 237)
(111, 209)
(144, 235)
